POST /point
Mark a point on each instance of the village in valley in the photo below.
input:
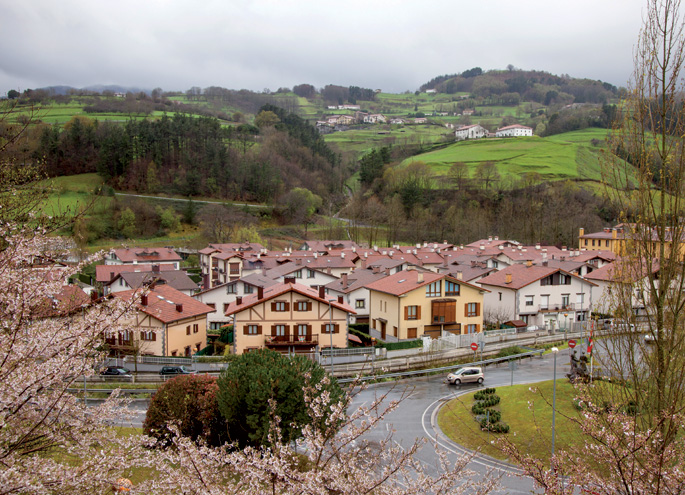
(306, 299)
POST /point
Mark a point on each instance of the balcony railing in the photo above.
(560, 307)
(286, 340)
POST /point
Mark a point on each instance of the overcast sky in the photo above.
(394, 45)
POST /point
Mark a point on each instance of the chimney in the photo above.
(544, 263)
(344, 280)
(374, 269)
(419, 277)
(497, 238)
(316, 255)
(322, 292)
(179, 308)
(387, 271)
(354, 249)
(384, 253)
(239, 300)
(501, 247)
(363, 265)
(489, 238)
(143, 300)
(425, 244)
(340, 299)
(288, 280)
(375, 248)
(111, 275)
(507, 278)
(460, 275)
(298, 261)
(537, 245)
(342, 255)
(391, 253)
(155, 268)
(482, 248)
(581, 232)
(529, 264)
(260, 292)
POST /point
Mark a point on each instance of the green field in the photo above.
(364, 140)
(530, 426)
(565, 156)
(71, 194)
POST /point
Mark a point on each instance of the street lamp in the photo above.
(554, 394)
(565, 322)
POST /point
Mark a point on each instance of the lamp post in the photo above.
(554, 394)
(565, 322)
(330, 330)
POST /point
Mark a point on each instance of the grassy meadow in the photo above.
(566, 156)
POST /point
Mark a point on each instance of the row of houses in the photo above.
(365, 118)
(305, 299)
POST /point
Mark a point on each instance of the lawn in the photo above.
(364, 140)
(527, 410)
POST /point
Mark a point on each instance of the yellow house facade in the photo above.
(289, 317)
(167, 323)
(412, 303)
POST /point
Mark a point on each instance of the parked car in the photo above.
(175, 370)
(116, 371)
(466, 375)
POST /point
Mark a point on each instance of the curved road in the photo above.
(417, 415)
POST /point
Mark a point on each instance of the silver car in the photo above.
(466, 375)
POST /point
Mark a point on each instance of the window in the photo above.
(565, 300)
(225, 307)
(248, 289)
(148, 336)
(360, 304)
(174, 353)
(471, 328)
(434, 289)
(231, 289)
(593, 242)
(310, 273)
(297, 274)
(302, 332)
(544, 304)
(211, 305)
(196, 328)
(252, 330)
(529, 300)
(607, 243)
(411, 333)
(473, 309)
(280, 306)
(187, 350)
(580, 298)
(278, 331)
(500, 296)
(451, 288)
(412, 312)
(188, 330)
(303, 306)
(443, 311)
(586, 242)
(234, 268)
(328, 327)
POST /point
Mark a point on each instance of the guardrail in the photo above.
(484, 363)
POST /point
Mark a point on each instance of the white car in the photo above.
(466, 375)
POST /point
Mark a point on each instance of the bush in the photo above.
(509, 351)
(190, 402)
(495, 427)
(405, 344)
(483, 394)
(256, 378)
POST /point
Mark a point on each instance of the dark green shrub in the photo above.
(405, 344)
(509, 351)
(189, 401)
(254, 379)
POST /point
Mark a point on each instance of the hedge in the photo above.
(395, 346)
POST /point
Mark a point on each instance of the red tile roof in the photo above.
(163, 304)
(149, 254)
(280, 289)
(522, 275)
(408, 280)
(104, 273)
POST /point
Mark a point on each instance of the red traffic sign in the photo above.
(571, 343)
(474, 346)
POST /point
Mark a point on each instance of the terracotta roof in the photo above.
(514, 126)
(163, 304)
(104, 273)
(521, 276)
(177, 279)
(69, 299)
(149, 254)
(407, 281)
(237, 246)
(280, 289)
(586, 256)
(355, 280)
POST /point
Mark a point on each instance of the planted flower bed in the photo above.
(484, 413)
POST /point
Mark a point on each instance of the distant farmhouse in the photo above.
(514, 131)
(475, 131)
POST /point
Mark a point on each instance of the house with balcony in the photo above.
(413, 303)
(289, 318)
(539, 295)
(167, 323)
(352, 287)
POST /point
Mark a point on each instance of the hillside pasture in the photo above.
(365, 139)
(561, 157)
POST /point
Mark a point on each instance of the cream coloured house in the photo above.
(289, 317)
(412, 303)
(168, 323)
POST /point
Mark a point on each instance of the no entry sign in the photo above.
(571, 343)
(474, 347)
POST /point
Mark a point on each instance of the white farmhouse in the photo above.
(475, 131)
(514, 131)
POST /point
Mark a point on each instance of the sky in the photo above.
(392, 45)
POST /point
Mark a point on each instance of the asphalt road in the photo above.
(416, 417)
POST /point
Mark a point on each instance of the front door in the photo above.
(382, 330)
